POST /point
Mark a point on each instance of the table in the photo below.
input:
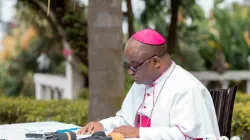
(18, 131)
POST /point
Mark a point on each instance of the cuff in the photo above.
(104, 125)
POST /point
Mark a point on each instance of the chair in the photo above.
(224, 102)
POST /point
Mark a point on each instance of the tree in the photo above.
(156, 12)
(106, 84)
(169, 18)
(172, 31)
(227, 39)
(64, 26)
(130, 18)
(67, 24)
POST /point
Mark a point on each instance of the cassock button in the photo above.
(144, 107)
(148, 94)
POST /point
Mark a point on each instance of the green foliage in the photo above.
(187, 56)
(227, 28)
(18, 71)
(242, 97)
(192, 10)
(2, 75)
(16, 74)
(241, 116)
(28, 89)
(11, 83)
(155, 14)
(224, 29)
(83, 94)
(19, 110)
(241, 120)
(128, 82)
(75, 26)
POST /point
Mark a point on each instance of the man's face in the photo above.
(139, 63)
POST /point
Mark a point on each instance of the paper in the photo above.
(43, 127)
(83, 136)
(88, 135)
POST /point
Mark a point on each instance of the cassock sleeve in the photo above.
(123, 117)
(186, 113)
(112, 122)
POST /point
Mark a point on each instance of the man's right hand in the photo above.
(91, 128)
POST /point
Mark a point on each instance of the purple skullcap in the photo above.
(149, 37)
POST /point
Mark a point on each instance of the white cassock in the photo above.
(184, 108)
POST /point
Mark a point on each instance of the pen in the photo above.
(67, 130)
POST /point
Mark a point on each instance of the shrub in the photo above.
(241, 116)
(19, 110)
(242, 97)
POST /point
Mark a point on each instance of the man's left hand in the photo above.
(127, 131)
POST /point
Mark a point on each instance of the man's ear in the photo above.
(156, 61)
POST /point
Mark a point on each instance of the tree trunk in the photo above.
(172, 34)
(106, 80)
(130, 19)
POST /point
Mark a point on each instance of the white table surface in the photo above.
(18, 131)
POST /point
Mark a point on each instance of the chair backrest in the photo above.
(224, 102)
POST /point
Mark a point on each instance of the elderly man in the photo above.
(165, 102)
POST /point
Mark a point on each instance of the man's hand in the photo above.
(127, 131)
(91, 128)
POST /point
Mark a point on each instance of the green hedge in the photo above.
(241, 116)
(242, 97)
(18, 110)
(241, 120)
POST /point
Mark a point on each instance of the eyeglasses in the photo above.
(128, 66)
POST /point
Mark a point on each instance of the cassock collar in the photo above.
(164, 75)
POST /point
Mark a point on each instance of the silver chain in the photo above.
(158, 96)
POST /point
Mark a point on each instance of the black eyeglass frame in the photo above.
(127, 65)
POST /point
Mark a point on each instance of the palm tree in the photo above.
(106, 84)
